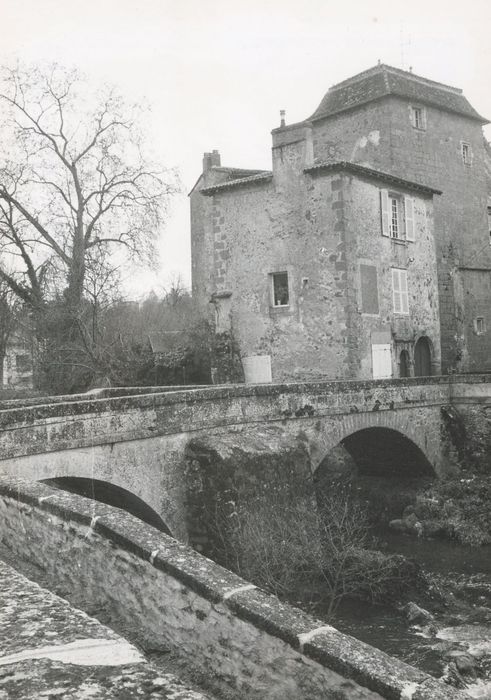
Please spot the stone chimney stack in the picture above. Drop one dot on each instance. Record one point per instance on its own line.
(211, 160)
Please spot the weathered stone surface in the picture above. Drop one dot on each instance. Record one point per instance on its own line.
(242, 638)
(49, 650)
(139, 442)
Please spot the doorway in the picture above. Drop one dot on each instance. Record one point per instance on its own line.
(422, 358)
(404, 364)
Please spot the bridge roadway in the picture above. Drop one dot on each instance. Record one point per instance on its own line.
(140, 443)
(50, 649)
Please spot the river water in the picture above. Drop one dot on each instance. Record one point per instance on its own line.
(384, 628)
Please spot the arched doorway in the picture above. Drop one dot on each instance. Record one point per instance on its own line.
(422, 358)
(404, 364)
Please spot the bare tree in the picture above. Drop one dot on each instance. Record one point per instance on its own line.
(74, 180)
(7, 321)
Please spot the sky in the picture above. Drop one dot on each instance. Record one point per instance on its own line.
(217, 72)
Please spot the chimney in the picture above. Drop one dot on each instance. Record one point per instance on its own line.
(215, 159)
(282, 117)
(211, 160)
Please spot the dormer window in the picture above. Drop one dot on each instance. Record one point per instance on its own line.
(418, 118)
(466, 153)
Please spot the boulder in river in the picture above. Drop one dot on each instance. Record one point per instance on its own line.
(416, 615)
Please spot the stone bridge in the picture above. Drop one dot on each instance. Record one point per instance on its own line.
(152, 449)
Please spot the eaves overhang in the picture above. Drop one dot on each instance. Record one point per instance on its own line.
(240, 182)
(363, 171)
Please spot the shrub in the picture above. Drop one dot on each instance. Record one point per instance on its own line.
(312, 556)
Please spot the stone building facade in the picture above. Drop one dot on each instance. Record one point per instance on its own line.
(366, 248)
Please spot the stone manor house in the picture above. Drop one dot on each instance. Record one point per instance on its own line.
(365, 252)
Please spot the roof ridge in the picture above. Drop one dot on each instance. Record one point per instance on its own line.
(384, 68)
(227, 168)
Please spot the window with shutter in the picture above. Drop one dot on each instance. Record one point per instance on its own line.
(399, 291)
(409, 218)
(397, 216)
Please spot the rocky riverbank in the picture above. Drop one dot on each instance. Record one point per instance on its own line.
(455, 509)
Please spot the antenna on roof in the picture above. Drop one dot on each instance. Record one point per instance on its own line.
(405, 43)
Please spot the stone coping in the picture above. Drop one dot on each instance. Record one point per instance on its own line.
(155, 397)
(50, 649)
(316, 641)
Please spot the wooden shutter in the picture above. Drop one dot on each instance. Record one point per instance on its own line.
(403, 288)
(385, 212)
(396, 290)
(409, 218)
(381, 361)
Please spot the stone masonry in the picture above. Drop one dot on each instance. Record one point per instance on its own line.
(319, 220)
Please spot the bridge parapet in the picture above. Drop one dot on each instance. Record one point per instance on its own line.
(243, 639)
(89, 421)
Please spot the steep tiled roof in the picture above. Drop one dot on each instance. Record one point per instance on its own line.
(263, 176)
(383, 80)
(230, 173)
(362, 170)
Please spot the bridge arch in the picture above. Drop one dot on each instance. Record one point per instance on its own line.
(110, 494)
(423, 443)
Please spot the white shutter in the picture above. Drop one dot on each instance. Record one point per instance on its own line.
(403, 286)
(399, 291)
(409, 217)
(381, 361)
(385, 212)
(396, 290)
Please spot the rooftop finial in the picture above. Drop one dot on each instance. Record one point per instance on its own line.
(379, 62)
(282, 117)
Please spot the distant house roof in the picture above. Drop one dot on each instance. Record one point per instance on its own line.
(381, 81)
(259, 177)
(361, 170)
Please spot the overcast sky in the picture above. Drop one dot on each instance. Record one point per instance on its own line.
(217, 72)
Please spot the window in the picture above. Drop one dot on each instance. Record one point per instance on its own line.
(479, 325)
(279, 290)
(23, 364)
(418, 118)
(369, 290)
(399, 291)
(397, 214)
(395, 227)
(466, 153)
(489, 224)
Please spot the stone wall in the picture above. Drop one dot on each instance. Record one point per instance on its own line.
(49, 649)
(319, 229)
(380, 135)
(242, 640)
(140, 443)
